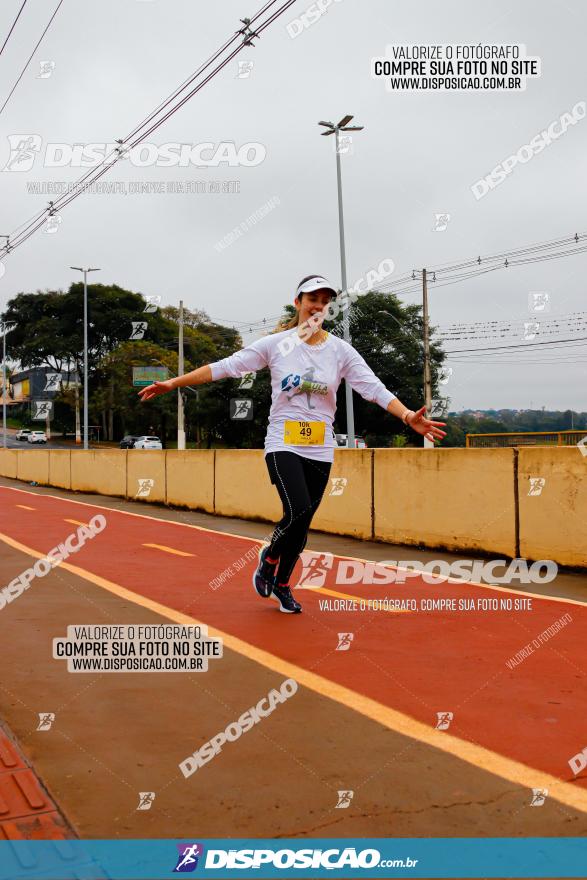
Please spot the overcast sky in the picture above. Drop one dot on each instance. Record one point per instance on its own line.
(419, 155)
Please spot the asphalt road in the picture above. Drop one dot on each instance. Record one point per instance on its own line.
(13, 443)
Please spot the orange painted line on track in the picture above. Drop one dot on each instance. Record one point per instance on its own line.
(171, 550)
(415, 664)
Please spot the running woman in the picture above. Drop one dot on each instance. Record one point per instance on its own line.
(307, 364)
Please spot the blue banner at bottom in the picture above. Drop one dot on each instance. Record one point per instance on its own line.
(337, 857)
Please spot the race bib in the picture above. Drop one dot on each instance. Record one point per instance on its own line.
(304, 433)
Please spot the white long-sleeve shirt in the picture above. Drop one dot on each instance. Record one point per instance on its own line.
(293, 365)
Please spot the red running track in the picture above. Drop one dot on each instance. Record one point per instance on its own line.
(417, 663)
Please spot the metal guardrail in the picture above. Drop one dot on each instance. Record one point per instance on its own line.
(525, 438)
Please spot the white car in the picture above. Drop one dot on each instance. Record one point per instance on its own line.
(37, 437)
(341, 440)
(148, 443)
(23, 434)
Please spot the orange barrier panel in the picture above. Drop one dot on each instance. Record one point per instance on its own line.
(145, 475)
(242, 486)
(8, 459)
(552, 489)
(190, 478)
(99, 470)
(457, 499)
(60, 468)
(33, 465)
(346, 505)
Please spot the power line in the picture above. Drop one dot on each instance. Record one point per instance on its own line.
(526, 345)
(507, 321)
(25, 231)
(440, 335)
(518, 362)
(509, 256)
(439, 338)
(140, 128)
(409, 283)
(473, 268)
(13, 26)
(30, 56)
(541, 330)
(94, 174)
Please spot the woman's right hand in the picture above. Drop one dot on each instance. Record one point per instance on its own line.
(155, 390)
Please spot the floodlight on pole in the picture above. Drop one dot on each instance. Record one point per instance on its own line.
(335, 129)
(85, 274)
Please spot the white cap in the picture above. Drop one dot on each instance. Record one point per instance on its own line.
(316, 282)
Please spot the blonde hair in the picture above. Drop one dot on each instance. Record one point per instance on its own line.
(285, 324)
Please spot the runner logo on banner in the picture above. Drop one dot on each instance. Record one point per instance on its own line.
(42, 410)
(139, 328)
(52, 382)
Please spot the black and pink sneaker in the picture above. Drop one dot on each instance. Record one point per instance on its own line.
(282, 594)
(264, 576)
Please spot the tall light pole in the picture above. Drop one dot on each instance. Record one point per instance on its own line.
(343, 125)
(180, 413)
(85, 274)
(6, 328)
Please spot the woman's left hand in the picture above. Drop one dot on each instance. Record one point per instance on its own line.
(426, 427)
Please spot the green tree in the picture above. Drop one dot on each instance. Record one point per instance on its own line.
(207, 408)
(389, 336)
(49, 328)
(114, 401)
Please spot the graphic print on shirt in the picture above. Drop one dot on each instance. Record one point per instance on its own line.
(337, 361)
(304, 384)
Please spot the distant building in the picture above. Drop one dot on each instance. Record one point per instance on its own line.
(38, 383)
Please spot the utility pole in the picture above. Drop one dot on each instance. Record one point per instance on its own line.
(198, 434)
(180, 370)
(428, 444)
(6, 328)
(48, 418)
(343, 125)
(4, 384)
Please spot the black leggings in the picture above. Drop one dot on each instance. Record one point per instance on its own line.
(301, 483)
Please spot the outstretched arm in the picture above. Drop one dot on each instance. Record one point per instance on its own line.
(416, 420)
(196, 377)
(362, 378)
(253, 357)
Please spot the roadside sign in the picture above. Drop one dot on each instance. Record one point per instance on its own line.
(142, 376)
